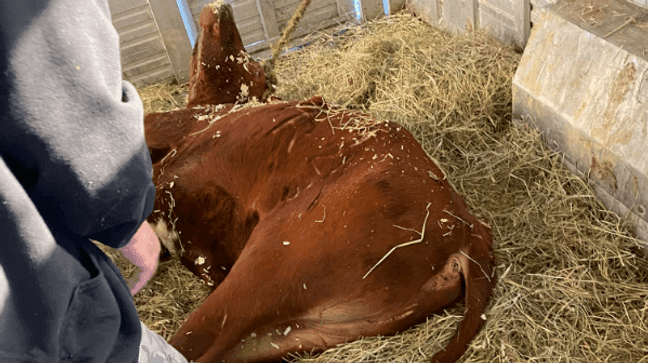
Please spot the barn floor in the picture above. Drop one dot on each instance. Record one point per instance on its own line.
(573, 283)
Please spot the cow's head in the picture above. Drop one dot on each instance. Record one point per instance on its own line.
(221, 70)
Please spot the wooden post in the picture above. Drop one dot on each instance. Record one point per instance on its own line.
(428, 10)
(174, 35)
(270, 25)
(396, 5)
(522, 11)
(372, 9)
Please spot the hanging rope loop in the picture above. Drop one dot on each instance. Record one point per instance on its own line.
(268, 64)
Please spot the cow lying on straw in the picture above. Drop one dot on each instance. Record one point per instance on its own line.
(315, 225)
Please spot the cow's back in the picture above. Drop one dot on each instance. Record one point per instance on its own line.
(295, 207)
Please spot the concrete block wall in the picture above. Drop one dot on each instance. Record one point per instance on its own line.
(642, 3)
(588, 95)
(508, 20)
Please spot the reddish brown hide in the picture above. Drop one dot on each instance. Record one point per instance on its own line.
(286, 207)
(314, 225)
(221, 71)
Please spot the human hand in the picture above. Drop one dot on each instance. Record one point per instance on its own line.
(143, 250)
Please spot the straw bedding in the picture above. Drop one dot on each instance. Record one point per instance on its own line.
(573, 282)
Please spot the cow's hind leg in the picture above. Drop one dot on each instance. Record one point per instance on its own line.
(261, 321)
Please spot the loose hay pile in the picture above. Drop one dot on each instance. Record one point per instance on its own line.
(573, 284)
(163, 97)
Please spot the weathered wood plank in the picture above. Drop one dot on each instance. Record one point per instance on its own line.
(300, 36)
(372, 9)
(428, 10)
(286, 12)
(174, 35)
(144, 56)
(118, 8)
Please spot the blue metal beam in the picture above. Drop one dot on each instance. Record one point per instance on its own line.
(357, 6)
(187, 19)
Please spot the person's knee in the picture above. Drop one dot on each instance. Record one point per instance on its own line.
(154, 349)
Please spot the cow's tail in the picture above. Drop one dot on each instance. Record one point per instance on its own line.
(476, 261)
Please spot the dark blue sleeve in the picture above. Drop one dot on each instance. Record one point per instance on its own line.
(70, 129)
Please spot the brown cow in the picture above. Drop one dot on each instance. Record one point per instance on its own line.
(221, 70)
(315, 225)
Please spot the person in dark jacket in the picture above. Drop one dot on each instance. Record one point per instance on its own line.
(74, 166)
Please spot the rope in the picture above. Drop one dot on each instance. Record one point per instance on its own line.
(268, 64)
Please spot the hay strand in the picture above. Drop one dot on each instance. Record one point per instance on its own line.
(404, 244)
